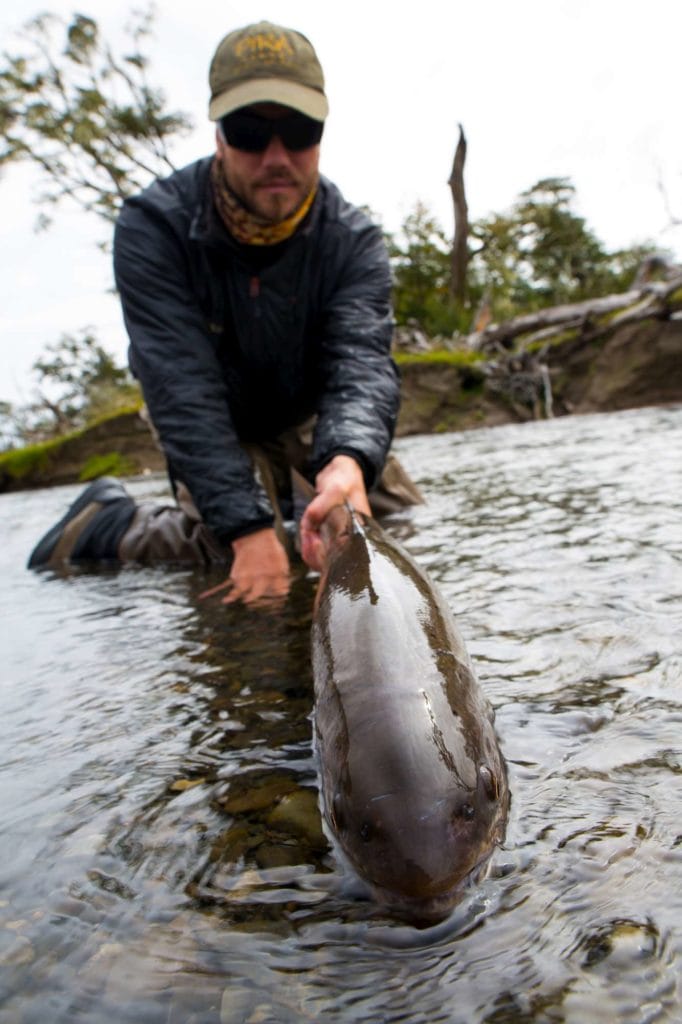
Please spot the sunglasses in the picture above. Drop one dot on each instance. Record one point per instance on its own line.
(253, 134)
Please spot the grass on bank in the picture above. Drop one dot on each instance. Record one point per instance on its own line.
(440, 356)
(18, 463)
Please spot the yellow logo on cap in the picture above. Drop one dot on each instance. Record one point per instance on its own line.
(265, 48)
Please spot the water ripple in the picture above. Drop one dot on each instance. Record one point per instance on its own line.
(162, 854)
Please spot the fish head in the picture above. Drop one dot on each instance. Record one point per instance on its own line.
(417, 837)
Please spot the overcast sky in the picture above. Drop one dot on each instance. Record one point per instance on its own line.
(586, 89)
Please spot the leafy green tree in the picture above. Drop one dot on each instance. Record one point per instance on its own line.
(86, 117)
(77, 381)
(85, 376)
(541, 253)
(420, 260)
(97, 131)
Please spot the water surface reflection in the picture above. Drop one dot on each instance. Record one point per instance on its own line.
(162, 855)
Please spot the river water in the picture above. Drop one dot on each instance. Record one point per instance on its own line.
(161, 857)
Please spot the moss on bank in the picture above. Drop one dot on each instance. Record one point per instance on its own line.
(107, 464)
(115, 445)
(441, 356)
(19, 463)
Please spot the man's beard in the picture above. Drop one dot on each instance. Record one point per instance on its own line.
(272, 206)
(261, 223)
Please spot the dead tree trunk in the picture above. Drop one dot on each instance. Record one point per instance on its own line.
(460, 255)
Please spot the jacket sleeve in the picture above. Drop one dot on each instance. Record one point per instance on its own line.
(173, 356)
(359, 386)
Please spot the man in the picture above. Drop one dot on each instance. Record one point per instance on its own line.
(257, 301)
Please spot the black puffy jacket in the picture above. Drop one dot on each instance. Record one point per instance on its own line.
(234, 342)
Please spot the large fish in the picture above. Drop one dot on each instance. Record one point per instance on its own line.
(413, 782)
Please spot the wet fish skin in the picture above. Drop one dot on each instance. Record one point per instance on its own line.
(414, 784)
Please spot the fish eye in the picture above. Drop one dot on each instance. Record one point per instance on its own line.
(467, 812)
(365, 832)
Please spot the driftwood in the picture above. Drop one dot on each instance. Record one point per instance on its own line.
(525, 382)
(517, 353)
(460, 253)
(591, 318)
(518, 349)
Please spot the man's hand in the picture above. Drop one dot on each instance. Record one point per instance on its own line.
(341, 480)
(260, 571)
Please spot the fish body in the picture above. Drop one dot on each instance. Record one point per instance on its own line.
(414, 785)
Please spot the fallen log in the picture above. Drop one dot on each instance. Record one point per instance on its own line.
(593, 317)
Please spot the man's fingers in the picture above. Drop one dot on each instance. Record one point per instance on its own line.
(256, 593)
(312, 549)
(261, 590)
(320, 506)
(216, 590)
(259, 600)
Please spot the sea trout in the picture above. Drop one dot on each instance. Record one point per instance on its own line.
(414, 785)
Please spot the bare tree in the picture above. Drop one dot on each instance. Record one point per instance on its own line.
(460, 254)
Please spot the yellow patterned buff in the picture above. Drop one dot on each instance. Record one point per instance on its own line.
(247, 227)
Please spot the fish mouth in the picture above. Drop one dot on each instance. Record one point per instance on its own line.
(431, 901)
(421, 912)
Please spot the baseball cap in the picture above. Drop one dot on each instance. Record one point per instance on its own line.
(265, 63)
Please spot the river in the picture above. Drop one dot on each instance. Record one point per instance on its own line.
(161, 853)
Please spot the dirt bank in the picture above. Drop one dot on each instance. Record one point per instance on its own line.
(635, 365)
